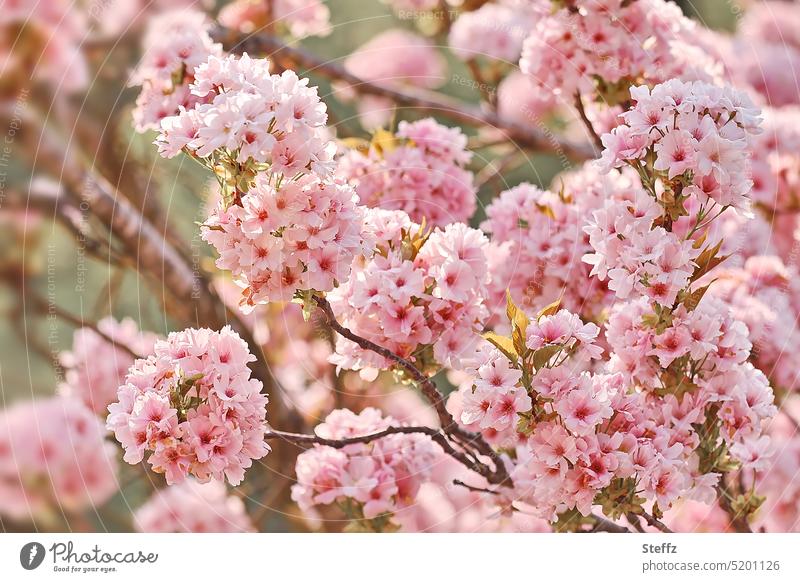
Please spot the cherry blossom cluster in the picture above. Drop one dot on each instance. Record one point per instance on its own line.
(42, 41)
(602, 47)
(419, 170)
(702, 356)
(194, 407)
(583, 438)
(538, 239)
(693, 137)
(294, 350)
(96, 367)
(767, 70)
(300, 18)
(519, 101)
(764, 294)
(287, 236)
(53, 458)
(440, 506)
(775, 165)
(250, 120)
(496, 30)
(377, 62)
(773, 21)
(127, 18)
(777, 482)
(689, 144)
(192, 507)
(763, 55)
(690, 516)
(176, 44)
(494, 397)
(636, 256)
(421, 295)
(370, 481)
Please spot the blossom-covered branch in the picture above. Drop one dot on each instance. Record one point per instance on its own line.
(473, 441)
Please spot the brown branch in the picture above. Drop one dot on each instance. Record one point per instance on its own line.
(656, 523)
(186, 293)
(598, 143)
(474, 489)
(429, 390)
(601, 524)
(455, 110)
(426, 384)
(313, 439)
(48, 201)
(487, 91)
(51, 308)
(635, 522)
(436, 435)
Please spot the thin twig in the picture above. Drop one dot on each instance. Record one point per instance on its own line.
(313, 439)
(656, 523)
(598, 143)
(436, 435)
(52, 309)
(608, 526)
(474, 489)
(429, 390)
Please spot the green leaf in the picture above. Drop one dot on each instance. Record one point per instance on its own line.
(543, 355)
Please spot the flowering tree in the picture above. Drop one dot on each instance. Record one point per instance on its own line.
(400, 325)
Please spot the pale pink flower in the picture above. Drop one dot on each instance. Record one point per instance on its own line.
(582, 410)
(381, 477)
(194, 508)
(53, 457)
(96, 367)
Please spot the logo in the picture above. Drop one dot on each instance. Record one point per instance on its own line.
(31, 555)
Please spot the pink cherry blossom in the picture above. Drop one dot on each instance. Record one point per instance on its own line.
(176, 44)
(375, 61)
(410, 303)
(300, 235)
(53, 457)
(380, 477)
(300, 18)
(422, 174)
(251, 116)
(615, 41)
(192, 507)
(95, 367)
(194, 407)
